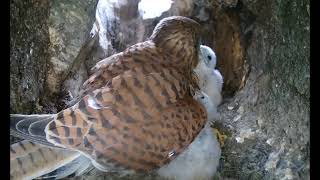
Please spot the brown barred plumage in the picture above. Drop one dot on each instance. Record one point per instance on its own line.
(29, 160)
(136, 110)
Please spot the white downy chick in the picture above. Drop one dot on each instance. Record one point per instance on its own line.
(210, 79)
(201, 159)
(207, 102)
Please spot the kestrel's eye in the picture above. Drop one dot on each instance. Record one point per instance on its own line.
(209, 57)
(202, 97)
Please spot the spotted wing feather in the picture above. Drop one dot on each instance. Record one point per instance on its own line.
(126, 124)
(143, 55)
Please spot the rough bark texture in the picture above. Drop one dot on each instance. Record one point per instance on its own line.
(269, 118)
(262, 47)
(46, 38)
(70, 23)
(29, 53)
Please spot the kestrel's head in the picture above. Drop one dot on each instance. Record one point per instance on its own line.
(179, 37)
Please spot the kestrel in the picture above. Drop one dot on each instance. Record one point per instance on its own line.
(201, 158)
(136, 111)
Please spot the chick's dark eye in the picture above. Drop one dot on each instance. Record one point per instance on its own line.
(209, 57)
(202, 97)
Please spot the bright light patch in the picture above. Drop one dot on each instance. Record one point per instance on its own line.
(153, 8)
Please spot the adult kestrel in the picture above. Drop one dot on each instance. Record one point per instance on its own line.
(136, 111)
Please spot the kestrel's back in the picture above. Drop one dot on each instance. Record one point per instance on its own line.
(137, 110)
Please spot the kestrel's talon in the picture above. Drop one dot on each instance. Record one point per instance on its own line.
(220, 136)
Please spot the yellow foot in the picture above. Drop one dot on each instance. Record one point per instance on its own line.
(221, 137)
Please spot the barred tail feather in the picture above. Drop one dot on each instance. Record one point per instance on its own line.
(30, 127)
(29, 160)
(76, 167)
